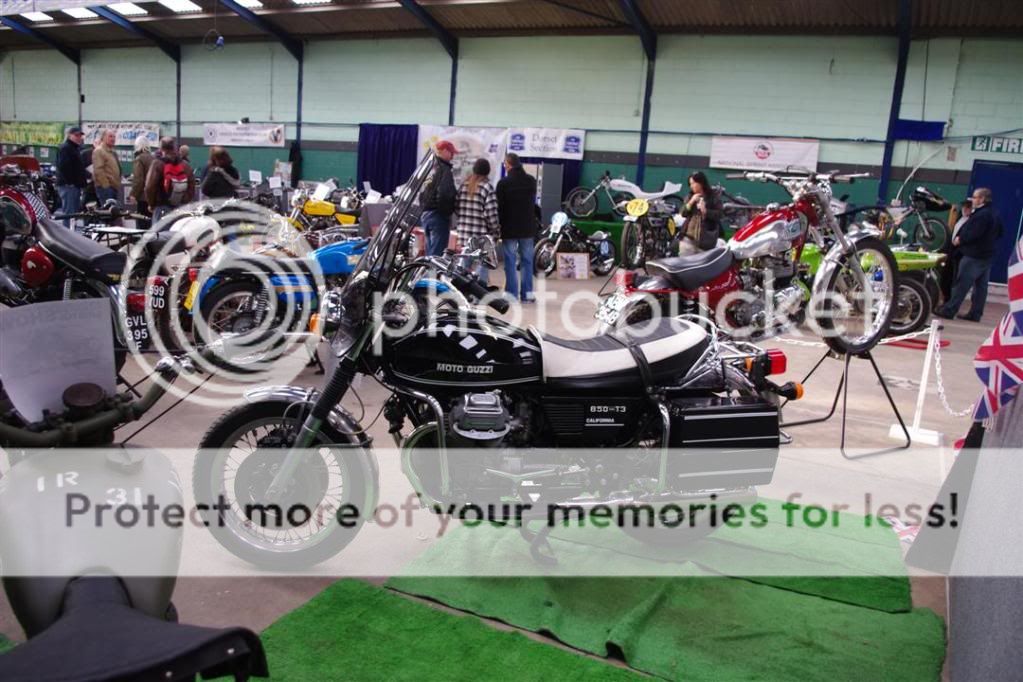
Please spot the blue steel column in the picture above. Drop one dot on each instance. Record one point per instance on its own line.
(905, 21)
(649, 40)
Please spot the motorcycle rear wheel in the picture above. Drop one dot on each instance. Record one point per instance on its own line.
(841, 296)
(581, 202)
(912, 307)
(932, 234)
(544, 258)
(238, 532)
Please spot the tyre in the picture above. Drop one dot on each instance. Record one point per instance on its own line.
(604, 259)
(912, 307)
(618, 202)
(581, 202)
(269, 535)
(931, 233)
(930, 282)
(633, 251)
(544, 258)
(846, 323)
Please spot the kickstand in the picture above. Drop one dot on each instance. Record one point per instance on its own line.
(843, 392)
(539, 548)
(131, 388)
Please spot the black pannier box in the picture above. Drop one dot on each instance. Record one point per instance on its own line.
(722, 442)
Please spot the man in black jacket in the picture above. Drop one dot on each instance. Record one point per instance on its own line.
(976, 240)
(438, 201)
(516, 210)
(71, 175)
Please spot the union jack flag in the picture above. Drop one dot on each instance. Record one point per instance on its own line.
(999, 360)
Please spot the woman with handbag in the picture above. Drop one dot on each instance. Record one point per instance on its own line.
(703, 212)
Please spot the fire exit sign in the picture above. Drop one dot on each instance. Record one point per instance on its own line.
(1005, 145)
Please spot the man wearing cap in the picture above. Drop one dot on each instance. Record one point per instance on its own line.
(438, 200)
(71, 176)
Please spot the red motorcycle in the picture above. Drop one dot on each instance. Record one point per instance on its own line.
(755, 286)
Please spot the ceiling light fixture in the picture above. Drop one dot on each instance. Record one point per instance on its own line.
(79, 13)
(251, 4)
(180, 6)
(37, 16)
(311, 2)
(128, 9)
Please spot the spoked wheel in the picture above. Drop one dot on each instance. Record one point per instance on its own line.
(240, 456)
(544, 258)
(931, 233)
(859, 298)
(912, 307)
(581, 202)
(618, 202)
(230, 309)
(633, 248)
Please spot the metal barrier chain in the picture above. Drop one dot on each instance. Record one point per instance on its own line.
(941, 383)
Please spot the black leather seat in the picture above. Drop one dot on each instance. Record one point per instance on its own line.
(607, 362)
(78, 251)
(691, 272)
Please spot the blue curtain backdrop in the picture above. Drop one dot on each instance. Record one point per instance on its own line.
(387, 155)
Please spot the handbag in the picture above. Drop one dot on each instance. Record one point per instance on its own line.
(703, 233)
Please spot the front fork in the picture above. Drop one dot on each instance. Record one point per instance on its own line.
(332, 394)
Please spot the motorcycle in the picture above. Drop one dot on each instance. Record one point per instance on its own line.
(582, 202)
(755, 278)
(44, 261)
(931, 233)
(231, 294)
(483, 410)
(64, 584)
(313, 212)
(650, 230)
(562, 235)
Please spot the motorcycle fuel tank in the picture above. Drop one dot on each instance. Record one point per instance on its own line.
(770, 232)
(465, 353)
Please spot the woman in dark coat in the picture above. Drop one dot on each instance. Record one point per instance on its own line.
(703, 211)
(220, 179)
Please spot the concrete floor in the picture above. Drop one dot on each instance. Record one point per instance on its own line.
(812, 465)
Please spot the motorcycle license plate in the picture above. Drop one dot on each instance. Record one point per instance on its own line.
(612, 307)
(136, 330)
(630, 218)
(193, 291)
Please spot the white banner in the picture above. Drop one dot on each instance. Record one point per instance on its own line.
(243, 134)
(547, 143)
(126, 132)
(471, 143)
(763, 153)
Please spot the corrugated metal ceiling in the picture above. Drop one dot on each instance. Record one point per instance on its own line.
(517, 17)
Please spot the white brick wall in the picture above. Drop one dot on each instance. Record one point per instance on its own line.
(376, 81)
(128, 84)
(44, 84)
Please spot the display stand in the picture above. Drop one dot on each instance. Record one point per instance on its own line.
(843, 392)
(926, 436)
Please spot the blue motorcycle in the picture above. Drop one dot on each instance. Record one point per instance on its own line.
(239, 292)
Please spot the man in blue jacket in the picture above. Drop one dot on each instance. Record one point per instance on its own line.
(71, 175)
(976, 240)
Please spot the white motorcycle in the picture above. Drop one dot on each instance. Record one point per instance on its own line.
(582, 202)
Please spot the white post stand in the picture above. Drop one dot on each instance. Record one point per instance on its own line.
(918, 434)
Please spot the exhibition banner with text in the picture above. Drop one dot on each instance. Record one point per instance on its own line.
(243, 134)
(471, 143)
(125, 132)
(25, 132)
(763, 153)
(547, 143)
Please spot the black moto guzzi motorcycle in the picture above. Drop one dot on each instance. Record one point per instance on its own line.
(483, 411)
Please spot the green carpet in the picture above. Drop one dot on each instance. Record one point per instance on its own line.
(356, 631)
(678, 618)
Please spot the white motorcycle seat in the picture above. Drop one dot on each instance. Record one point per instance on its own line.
(669, 189)
(670, 346)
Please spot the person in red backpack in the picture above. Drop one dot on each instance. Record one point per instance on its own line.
(170, 182)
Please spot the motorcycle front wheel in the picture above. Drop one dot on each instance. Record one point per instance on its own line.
(632, 246)
(931, 233)
(544, 258)
(912, 307)
(604, 257)
(852, 320)
(238, 458)
(581, 202)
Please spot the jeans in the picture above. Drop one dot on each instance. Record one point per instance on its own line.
(104, 194)
(513, 249)
(70, 200)
(159, 212)
(973, 272)
(438, 232)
